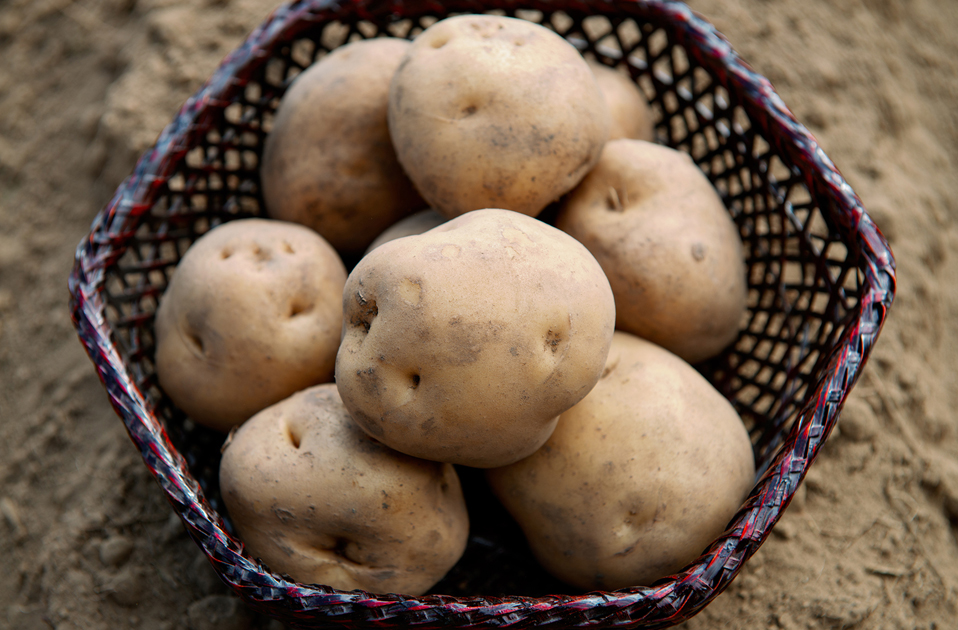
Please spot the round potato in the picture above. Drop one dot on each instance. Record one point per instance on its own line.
(418, 223)
(316, 498)
(495, 112)
(328, 162)
(668, 245)
(628, 110)
(637, 479)
(465, 343)
(252, 314)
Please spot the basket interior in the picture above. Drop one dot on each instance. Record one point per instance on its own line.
(805, 280)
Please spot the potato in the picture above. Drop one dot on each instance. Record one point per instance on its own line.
(316, 498)
(465, 343)
(252, 314)
(637, 479)
(629, 111)
(418, 223)
(495, 112)
(669, 247)
(328, 162)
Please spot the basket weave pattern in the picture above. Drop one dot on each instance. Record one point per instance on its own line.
(821, 279)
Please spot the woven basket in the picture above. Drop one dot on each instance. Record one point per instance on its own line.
(821, 279)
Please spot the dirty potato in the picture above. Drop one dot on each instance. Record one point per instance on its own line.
(251, 315)
(316, 498)
(637, 479)
(328, 162)
(465, 343)
(495, 112)
(668, 245)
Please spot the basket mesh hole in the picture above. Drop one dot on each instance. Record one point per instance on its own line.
(275, 73)
(531, 15)
(628, 34)
(400, 29)
(560, 22)
(656, 44)
(596, 27)
(303, 52)
(334, 35)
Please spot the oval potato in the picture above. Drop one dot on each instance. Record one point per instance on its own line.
(251, 315)
(637, 479)
(316, 498)
(671, 251)
(495, 112)
(464, 344)
(328, 162)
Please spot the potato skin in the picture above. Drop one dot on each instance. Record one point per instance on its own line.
(629, 112)
(316, 498)
(251, 315)
(465, 343)
(328, 162)
(494, 112)
(637, 479)
(417, 223)
(673, 255)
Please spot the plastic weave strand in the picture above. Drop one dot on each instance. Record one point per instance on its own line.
(821, 279)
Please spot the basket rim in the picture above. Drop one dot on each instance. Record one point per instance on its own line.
(672, 599)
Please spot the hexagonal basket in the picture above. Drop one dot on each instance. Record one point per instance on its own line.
(821, 279)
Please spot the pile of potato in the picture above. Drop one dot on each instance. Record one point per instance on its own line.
(470, 332)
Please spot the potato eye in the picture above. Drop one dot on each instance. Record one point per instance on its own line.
(298, 308)
(366, 314)
(293, 436)
(196, 341)
(553, 339)
(614, 201)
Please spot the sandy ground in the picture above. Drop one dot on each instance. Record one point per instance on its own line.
(88, 541)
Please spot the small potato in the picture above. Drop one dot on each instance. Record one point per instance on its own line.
(410, 226)
(668, 245)
(328, 162)
(495, 112)
(316, 498)
(252, 314)
(637, 479)
(465, 343)
(628, 109)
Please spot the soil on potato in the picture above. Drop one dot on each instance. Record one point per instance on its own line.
(87, 539)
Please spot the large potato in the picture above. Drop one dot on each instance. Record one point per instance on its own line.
(252, 314)
(637, 479)
(495, 112)
(316, 498)
(668, 245)
(465, 343)
(328, 162)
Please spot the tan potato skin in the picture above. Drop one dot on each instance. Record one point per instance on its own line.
(629, 112)
(495, 112)
(465, 343)
(669, 247)
(251, 315)
(637, 479)
(328, 162)
(316, 498)
(412, 225)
